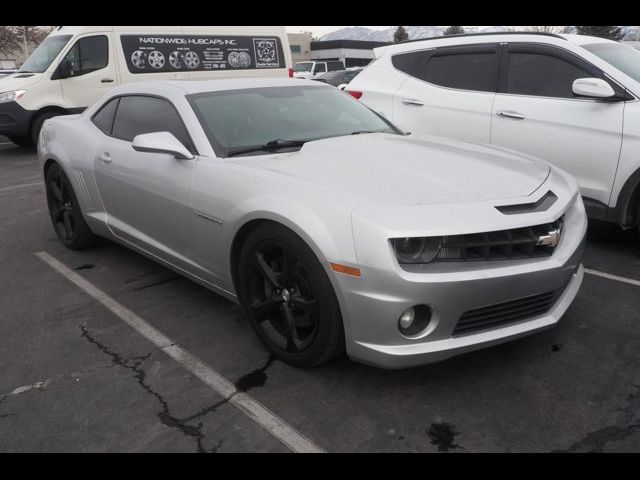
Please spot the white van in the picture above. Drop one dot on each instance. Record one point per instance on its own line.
(74, 66)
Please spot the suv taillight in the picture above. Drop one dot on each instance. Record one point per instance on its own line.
(355, 94)
(291, 73)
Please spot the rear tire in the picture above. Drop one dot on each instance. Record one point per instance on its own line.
(65, 212)
(288, 298)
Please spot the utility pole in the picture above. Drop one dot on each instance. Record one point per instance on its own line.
(26, 45)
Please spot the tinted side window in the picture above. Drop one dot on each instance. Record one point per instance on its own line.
(88, 55)
(410, 63)
(138, 115)
(320, 67)
(465, 71)
(104, 118)
(542, 75)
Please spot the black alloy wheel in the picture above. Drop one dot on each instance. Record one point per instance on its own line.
(288, 298)
(65, 212)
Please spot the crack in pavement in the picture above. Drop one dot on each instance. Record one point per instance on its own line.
(595, 441)
(134, 364)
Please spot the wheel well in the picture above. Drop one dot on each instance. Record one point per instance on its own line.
(59, 110)
(238, 242)
(629, 202)
(47, 165)
(632, 215)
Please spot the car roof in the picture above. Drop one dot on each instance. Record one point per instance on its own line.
(188, 87)
(474, 38)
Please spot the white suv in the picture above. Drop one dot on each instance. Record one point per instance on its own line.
(569, 99)
(312, 69)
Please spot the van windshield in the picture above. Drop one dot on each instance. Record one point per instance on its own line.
(46, 53)
(303, 67)
(623, 57)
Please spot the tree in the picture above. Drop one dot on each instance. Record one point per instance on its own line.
(545, 29)
(610, 32)
(12, 38)
(400, 35)
(453, 30)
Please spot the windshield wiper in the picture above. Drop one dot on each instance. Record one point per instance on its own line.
(273, 145)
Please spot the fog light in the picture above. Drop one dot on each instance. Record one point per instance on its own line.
(414, 320)
(407, 318)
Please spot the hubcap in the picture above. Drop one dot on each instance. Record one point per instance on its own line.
(281, 297)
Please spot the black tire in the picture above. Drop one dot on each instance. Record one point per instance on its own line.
(65, 212)
(293, 310)
(36, 126)
(21, 141)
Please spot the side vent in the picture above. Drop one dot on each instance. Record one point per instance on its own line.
(82, 192)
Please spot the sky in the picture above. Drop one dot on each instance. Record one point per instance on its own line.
(318, 31)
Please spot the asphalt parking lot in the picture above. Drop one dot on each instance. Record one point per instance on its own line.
(76, 377)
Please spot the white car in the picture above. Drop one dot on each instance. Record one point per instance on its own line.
(313, 69)
(332, 227)
(571, 100)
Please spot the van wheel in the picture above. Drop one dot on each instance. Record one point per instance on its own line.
(37, 125)
(21, 141)
(65, 212)
(288, 298)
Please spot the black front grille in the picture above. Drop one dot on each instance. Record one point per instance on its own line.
(507, 312)
(513, 244)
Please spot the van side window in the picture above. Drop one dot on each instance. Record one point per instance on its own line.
(542, 75)
(105, 116)
(88, 55)
(465, 71)
(137, 115)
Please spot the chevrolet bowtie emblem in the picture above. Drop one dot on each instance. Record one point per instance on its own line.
(551, 239)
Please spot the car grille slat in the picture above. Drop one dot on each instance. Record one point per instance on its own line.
(507, 312)
(513, 244)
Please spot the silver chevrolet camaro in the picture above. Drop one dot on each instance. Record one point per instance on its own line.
(334, 229)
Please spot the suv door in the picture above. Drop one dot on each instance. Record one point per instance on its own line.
(93, 71)
(319, 69)
(536, 112)
(147, 196)
(449, 91)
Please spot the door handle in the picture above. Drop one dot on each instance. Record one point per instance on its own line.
(510, 114)
(107, 80)
(105, 157)
(412, 101)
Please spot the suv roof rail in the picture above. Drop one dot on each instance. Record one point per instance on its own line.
(547, 34)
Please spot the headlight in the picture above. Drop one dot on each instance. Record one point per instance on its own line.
(416, 249)
(12, 96)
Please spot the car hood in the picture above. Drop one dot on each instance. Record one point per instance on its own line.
(409, 170)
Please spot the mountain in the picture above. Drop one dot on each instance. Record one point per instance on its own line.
(364, 33)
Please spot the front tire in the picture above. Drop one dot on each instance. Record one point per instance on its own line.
(36, 126)
(65, 212)
(288, 298)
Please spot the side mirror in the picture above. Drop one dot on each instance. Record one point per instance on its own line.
(593, 88)
(161, 142)
(64, 70)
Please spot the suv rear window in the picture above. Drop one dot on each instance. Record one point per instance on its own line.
(464, 71)
(464, 68)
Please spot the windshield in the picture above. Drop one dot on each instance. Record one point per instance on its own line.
(46, 53)
(623, 57)
(303, 67)
(238, 119)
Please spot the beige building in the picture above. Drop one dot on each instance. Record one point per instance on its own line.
(300, 44)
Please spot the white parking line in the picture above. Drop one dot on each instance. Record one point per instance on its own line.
(16, 187)
(610, 276)
(245, 403)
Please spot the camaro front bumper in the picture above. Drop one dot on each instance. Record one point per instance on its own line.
(373, 303)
